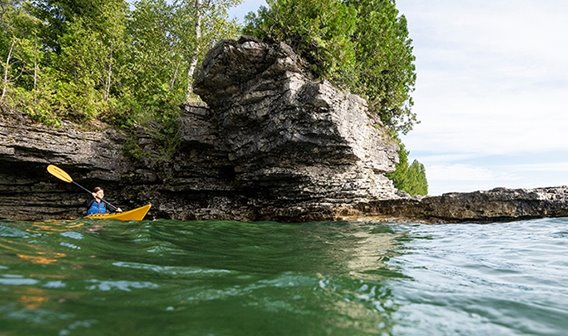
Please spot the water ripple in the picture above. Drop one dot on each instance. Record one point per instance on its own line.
(506, 279)
(121, 285)
(266, 278)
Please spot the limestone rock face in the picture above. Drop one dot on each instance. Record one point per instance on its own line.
(290, 138)
(27, 191)
(270, 143)
(480, 206)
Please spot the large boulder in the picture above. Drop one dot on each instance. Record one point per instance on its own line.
(291, 138)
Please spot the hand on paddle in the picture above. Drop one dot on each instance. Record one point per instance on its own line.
(99, 195)
(63, 176)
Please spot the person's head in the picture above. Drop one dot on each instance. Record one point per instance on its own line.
(99, 192)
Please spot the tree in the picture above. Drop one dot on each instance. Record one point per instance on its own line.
(165, 52)
(168, 40)
(58, 14)
(410, 179)
(385, 62)
(362, 45)
(83, 41)
(18, 29)
(22, 56)
(418, 184)
(319, 30)
(84, 59)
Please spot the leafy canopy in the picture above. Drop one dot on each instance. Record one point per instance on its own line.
(409, 178)
(128, 63)
(361, 45)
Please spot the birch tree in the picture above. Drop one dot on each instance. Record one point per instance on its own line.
(209, 23)
(19, 51)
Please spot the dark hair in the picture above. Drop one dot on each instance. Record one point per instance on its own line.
(97, 189)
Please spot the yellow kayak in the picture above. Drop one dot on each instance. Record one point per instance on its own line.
(134, 214)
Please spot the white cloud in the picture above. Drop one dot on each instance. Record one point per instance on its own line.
(469, 177)
(465, 172)
(466, 177)
(555, 167)
(497, 125)
(492, 80)
(463, 177)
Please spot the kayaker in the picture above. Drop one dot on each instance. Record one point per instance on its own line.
(97, 205)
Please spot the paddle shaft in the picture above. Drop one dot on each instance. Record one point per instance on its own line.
(63, 176)
(90, 192)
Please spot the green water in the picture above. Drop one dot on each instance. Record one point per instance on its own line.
(327, 278)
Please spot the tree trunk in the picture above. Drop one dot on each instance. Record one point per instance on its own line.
(174, 77)
(195, 54)
(109, 77)
(35, 70)
(6, 70)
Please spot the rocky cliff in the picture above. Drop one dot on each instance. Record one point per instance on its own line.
(292, 141)
(26, 192)
(270, 142)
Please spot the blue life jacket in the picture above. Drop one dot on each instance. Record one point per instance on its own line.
(96, 207)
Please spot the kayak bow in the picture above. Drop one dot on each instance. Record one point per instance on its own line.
(134, 214)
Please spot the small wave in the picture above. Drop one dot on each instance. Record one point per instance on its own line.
(16, 280)
(172, 270)
(121, 285)
(10, 232)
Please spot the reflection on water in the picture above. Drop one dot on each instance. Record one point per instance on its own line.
(33, 298)
(472, 279)
(200, 277)
(40, 258)
(231, 278)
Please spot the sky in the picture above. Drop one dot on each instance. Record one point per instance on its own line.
(491, 92)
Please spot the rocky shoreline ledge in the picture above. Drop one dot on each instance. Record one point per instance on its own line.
(499, 204)
(269, 143)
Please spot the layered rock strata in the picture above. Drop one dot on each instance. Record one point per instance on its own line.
(27, 191)
(293, 141)
(499, 204)
(270, 142)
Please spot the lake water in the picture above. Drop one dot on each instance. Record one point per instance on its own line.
(327, 278)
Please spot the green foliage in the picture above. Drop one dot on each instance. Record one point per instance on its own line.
(320, 30)
(131, 64)
(387, 74)
(89, 47)
(410, 179)
(23, 84)
(362, 45)
(159, 62)
(417, 176)
(127, 63)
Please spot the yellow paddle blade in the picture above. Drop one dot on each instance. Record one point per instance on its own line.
(59, 173)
